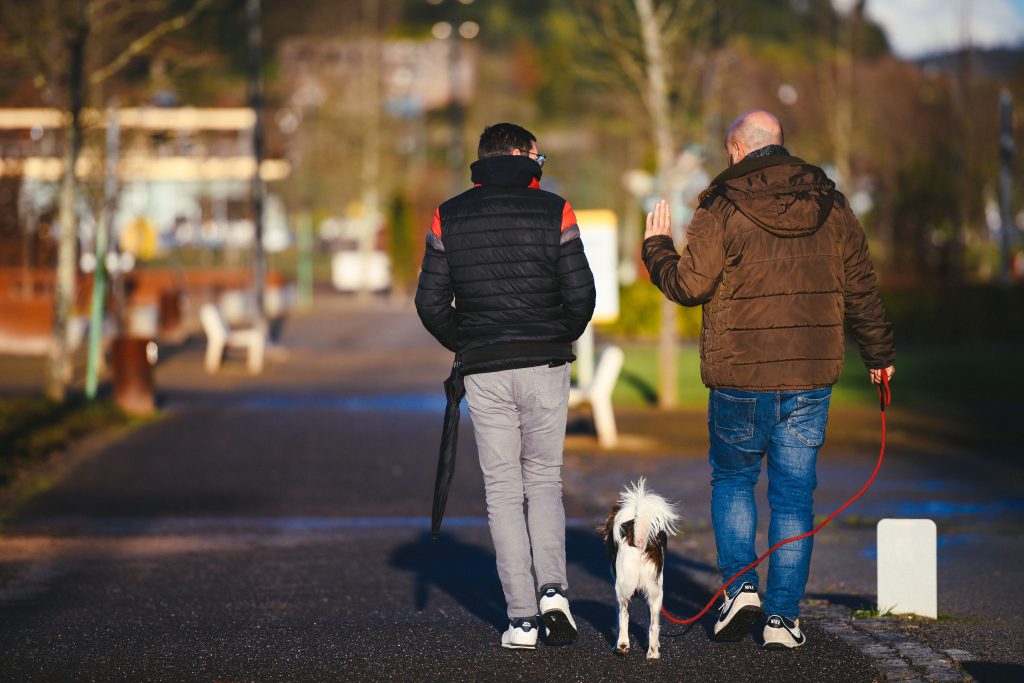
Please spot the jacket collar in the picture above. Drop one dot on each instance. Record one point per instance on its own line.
(506, 171)
(746, 166)
(749, 164)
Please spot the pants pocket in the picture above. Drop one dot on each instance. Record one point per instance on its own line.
(551, 385)
(807, 423)
(734, 417)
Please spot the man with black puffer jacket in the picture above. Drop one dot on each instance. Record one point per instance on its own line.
(510, 257)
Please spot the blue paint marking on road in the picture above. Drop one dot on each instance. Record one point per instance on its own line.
(388, 403)
(938, 508)
(186, 525)
(942, 509)
(933, 485)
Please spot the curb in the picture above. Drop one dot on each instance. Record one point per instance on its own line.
(892, 652)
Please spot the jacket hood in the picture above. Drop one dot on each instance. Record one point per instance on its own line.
(506, 171)
(781, 194)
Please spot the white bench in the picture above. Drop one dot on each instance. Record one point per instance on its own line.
(599, 395)
(220, 337)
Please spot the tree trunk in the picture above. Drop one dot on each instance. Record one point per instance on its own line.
(257, 189)
(842, 127)
(67, 242)
(370, 194)
(656, 100)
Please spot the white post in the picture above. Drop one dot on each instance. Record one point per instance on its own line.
(908, 567)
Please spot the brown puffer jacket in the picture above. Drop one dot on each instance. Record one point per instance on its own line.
(777, 259)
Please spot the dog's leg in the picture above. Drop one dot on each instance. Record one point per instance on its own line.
(622, 647)
(654, 598)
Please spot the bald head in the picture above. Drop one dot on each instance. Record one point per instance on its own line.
(752, 131)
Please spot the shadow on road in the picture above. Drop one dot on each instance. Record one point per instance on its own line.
(464, 571)
(994, 672)
(849, 600)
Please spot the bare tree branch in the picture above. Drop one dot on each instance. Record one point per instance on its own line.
(606, 37)
(114, 17)
(32, 51)
(143, 42)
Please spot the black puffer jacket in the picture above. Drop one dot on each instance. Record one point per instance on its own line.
(510, 256)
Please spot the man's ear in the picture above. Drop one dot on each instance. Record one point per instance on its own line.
(516, 152)
(737, 151)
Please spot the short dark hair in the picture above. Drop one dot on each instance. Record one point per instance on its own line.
(501, 138)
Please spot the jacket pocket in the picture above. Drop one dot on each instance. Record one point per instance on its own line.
(807, 422)
(734, 417)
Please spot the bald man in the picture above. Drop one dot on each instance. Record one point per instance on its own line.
(777, 261)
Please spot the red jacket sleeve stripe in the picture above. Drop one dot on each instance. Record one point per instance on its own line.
(435, 225)
(568, 217)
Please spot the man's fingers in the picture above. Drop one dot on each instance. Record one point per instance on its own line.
(876, 375)
(659, 220)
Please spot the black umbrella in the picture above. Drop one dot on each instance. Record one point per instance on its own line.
(454, 390)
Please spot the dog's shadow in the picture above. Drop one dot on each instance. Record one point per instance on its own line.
(683, 596)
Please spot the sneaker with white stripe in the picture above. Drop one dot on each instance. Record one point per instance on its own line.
(782, 634)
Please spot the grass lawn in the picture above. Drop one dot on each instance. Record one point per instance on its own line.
(31, 428)
(983, 375)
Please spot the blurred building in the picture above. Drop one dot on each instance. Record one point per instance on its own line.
(414, 76)
(183, 171)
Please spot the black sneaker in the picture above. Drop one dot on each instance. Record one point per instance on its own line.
(738, 613)
(782, 634)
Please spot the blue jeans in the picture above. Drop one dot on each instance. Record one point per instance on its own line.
(788, 427)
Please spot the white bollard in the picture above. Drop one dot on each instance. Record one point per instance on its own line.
(908, 567)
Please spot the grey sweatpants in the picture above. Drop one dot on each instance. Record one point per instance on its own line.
(519, 421)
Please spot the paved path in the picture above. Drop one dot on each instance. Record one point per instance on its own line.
(274, 528)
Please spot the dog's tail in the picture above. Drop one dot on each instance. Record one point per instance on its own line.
(651, 513)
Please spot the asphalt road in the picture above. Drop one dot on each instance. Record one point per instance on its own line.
(275, 528)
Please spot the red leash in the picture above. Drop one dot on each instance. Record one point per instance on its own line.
(884, 399)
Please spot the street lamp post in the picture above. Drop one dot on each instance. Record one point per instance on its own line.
(1006, 151)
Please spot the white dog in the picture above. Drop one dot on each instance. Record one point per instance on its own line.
(636, 534)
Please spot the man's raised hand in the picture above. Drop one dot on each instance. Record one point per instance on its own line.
(659, 221)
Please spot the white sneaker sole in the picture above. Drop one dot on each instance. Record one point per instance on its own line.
(740, 624)
(787, 644)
